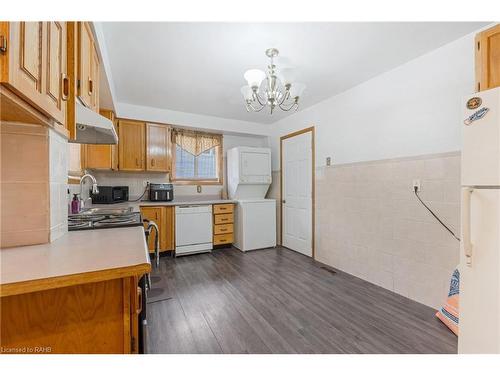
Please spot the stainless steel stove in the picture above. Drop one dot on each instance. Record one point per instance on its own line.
(96, 218)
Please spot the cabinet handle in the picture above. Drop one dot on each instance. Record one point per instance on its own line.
(64, 86)
(223, 229)
(466, 239)
(3, 43)
(223, 219)
(136, 162)
(91, 86)
(139, 297)
(152, 162)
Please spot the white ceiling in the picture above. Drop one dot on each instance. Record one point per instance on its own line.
(198, 67)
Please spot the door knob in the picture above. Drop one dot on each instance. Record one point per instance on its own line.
(283, 201)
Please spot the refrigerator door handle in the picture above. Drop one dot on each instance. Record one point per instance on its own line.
(466, 202)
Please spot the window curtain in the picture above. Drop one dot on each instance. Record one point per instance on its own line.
(194, 142)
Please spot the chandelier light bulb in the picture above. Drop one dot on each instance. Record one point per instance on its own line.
(254, 77)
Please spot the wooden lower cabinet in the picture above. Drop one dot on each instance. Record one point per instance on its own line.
(223, 224)
(95, 317)
(164, 217)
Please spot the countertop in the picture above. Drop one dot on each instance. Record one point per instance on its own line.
(180, 201)
(76, 258)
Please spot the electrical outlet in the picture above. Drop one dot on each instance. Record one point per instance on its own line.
(416, 184)
(328, 161)
(198, 188)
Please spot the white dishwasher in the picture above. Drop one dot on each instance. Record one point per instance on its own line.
(193, 229)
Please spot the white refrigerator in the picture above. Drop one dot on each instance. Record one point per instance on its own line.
(479, 320)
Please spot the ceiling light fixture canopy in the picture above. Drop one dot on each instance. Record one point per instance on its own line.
(279, 90)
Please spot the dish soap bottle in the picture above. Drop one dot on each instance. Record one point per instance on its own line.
(75, 204)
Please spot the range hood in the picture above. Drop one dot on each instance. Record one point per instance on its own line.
(93, 128)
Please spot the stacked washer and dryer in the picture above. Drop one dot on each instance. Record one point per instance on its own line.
(248, 179)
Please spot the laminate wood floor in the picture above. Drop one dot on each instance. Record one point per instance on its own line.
(279, 301)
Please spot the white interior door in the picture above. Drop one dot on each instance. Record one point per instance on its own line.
(297, 193)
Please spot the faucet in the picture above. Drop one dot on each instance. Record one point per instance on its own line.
(95, 190)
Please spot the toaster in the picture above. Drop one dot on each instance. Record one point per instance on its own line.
(161, 192)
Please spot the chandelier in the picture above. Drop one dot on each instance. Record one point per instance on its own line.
(279, 89)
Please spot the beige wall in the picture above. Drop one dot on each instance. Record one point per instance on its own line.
(33, 184)
(370, 224)
(24, 194)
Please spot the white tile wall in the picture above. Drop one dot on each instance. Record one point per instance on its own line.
(58, 177)
(370, 224)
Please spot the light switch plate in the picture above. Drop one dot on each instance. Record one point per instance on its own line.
(328, 161)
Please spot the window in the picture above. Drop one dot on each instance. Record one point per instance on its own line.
(197, 157)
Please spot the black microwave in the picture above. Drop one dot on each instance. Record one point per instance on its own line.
(110, 194)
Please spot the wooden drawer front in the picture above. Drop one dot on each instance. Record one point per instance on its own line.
(221, 239)
(223, 219)
(223, 208)
(223, 228)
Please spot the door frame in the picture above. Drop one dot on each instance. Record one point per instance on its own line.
(313, 187)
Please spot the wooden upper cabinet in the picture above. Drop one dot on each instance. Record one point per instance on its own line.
(103, 157)
(488, 59)
(57, 89)
(33, 64)
(85, 62)
(94, 79)
(157, 148)
(131, 149)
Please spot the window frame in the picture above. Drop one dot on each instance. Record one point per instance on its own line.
(200, 181)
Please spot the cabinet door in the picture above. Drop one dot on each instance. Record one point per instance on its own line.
(34, 65)
(26, 58)
(168, 236)
(488, 59)
(157, 148)
(101, 156)
(131, 145)
(98, 157)
(94, 78)
(23, 60)
(56, 84)
(153, 214)
(85, 46)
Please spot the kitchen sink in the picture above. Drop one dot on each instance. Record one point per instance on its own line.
(105, 211)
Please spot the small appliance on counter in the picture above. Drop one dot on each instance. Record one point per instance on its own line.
(110, 194)
(161, 192)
